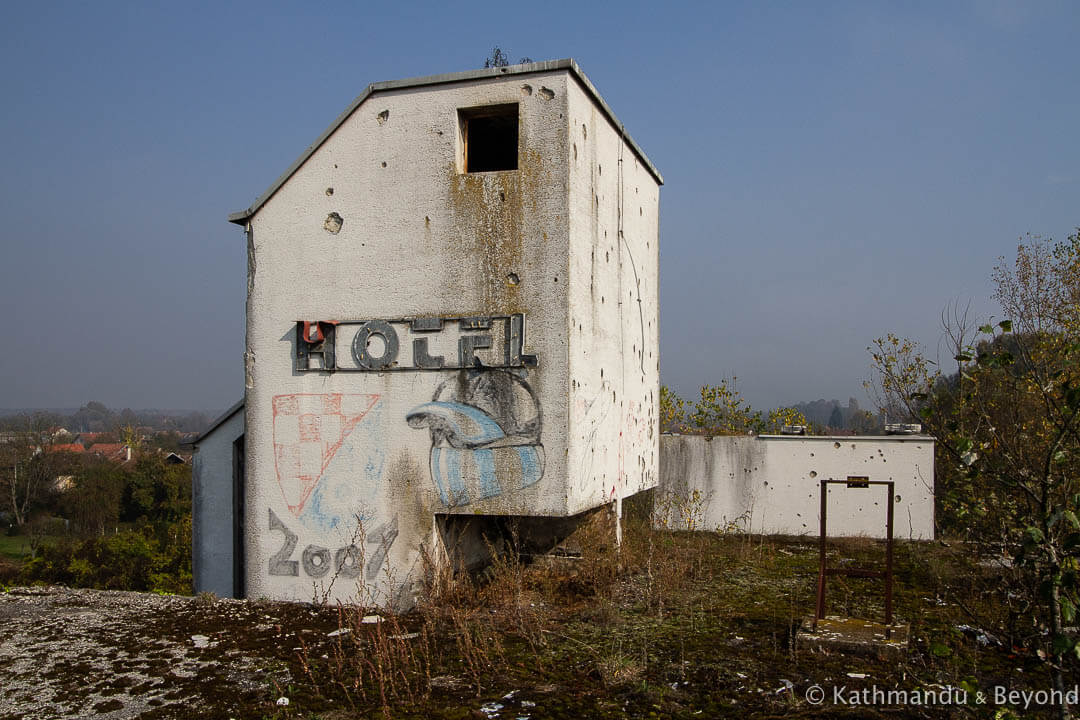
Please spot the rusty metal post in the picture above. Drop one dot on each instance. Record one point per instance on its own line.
(856, 481)
(820, 613)
(889, 559)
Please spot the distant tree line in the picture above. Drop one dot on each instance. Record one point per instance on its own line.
(831, 416)
(96, 417)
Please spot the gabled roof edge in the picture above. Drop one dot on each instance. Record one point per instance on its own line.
(241, 217)
(220, 421)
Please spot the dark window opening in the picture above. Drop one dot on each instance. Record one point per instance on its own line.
(490, 138)
(238, 517)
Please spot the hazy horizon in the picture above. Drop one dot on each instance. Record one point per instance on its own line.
(833, 171)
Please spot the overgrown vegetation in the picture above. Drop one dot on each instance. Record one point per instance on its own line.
(108, 525)
(676, 624)
(1007, 420)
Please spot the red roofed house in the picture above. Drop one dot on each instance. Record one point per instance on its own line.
(66, 447)
(118, 452)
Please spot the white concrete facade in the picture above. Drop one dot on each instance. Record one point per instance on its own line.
(494, 334)
(770, 484)
(614, 312)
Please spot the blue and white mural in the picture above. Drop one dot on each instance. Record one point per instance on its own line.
(485, 430)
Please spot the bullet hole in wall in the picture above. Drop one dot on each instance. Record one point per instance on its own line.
(383, 117)
(329, 192)
(333, 223)
(512, 279)
(384, 163)
(526, 89)
(546, 93)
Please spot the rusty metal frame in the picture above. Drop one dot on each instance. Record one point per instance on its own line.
(856, 481)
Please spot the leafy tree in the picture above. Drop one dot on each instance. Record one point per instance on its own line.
(28, 468)
(93, 502)
(836, 418)
(93, 417)
(721, 410)
(1008, 429)
(672, 410)
(156, 491)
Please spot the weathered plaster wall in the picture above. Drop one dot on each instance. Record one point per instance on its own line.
(613, 324)
(771, 484)
(346, 470)
(212, 521)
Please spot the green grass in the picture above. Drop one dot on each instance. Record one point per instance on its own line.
(17, 547)
(14, 547)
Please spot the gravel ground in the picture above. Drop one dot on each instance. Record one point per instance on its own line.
(70, 653)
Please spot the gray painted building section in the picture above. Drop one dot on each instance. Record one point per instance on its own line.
(216, 478)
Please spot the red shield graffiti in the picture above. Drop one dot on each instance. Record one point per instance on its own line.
(308, 430)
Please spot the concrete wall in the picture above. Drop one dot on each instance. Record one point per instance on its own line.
(347, 469)
(770, 484)
(213, 524)
(614, 311)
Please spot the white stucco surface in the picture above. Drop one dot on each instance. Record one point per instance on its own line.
(347, 469)
(212, 517)
(771, 484)
(613, 313)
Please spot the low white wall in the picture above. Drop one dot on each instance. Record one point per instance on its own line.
(770, 484)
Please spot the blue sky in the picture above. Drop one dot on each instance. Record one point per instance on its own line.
(834, 170)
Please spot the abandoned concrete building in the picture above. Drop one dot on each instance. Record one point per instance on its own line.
(451, 311)
(452, 319)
